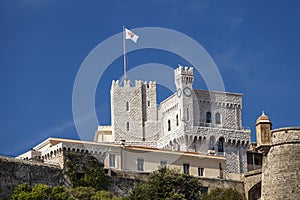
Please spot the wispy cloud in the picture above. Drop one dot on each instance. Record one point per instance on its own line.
(56, 130)
(234, 22)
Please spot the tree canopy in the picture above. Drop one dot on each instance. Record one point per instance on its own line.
(168, 184)
(223, 194)
(44, 192)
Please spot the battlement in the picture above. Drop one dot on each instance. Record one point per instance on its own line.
(183, 70)
(138, 83)
(286, 135)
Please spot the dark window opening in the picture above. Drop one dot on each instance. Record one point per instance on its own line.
(218, 118)
(221, 145)
(112, 160)
(127, 106)
(140, 164)
(200, 171)
(186, 168)
(208, 117)
(169, 125)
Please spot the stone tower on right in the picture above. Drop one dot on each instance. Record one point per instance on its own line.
(281, 160)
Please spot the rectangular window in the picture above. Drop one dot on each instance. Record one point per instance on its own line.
(112, 160)
(127, 106)
(186, 168)
(149, 103)
(200, 171)
(140, 164)
(127, 126)
(187, 114)
(163, 163)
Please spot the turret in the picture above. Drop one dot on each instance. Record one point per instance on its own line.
(184, 77)
(263, 133)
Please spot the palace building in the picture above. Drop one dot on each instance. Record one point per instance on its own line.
(191, 120)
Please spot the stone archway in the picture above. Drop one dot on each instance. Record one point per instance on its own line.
(252, 184)
(255, 192)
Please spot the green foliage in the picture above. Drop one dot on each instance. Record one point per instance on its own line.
(40, 191)
(83, 193)
(60, 193)
(91, 175)
(103, 195)
(223, 194)
(168, 184)
(44, 192)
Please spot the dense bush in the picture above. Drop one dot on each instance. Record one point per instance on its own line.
(223, 194)
(168, 184)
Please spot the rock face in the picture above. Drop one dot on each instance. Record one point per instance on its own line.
(14, 172)
(281, 165)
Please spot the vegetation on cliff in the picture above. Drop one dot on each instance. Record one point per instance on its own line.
(172, 185)
(86, 180)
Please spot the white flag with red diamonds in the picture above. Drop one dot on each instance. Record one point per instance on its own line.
(130, 35)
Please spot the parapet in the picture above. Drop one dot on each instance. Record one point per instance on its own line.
(137, 83)
(288, 135)
(183, 70)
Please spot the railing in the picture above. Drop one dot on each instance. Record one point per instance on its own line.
(214, 125)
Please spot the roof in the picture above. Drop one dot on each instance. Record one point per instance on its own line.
(54, 141)
(263, 118)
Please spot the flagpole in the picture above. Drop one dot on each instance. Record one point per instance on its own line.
(124, 53)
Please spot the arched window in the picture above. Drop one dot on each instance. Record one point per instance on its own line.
(127, 125)
(208, 117)
(169, 125)
(127, 106)
(218, 118)
(221, 145)
(177, 120)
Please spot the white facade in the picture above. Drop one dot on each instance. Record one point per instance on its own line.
(189, 120)
(132, 158)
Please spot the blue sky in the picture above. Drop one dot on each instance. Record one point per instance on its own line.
(255, 45)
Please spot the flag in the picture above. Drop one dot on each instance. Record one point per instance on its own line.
(130, 35)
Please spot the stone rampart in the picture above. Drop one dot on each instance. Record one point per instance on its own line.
(280, 179)
(16, 171)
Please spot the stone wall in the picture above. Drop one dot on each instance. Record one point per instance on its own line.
(14, 172)
(123, 183)
(280, 178)
(252, 184)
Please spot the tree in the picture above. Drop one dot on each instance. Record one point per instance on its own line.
(40, 191)
(83, 193)
(223, 194)
(168, 184)
(85, 171)
(44, 192)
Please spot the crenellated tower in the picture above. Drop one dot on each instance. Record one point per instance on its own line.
(184, 78)
(134, 112)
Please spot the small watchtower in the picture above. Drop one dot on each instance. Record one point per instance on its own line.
(263, 133)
